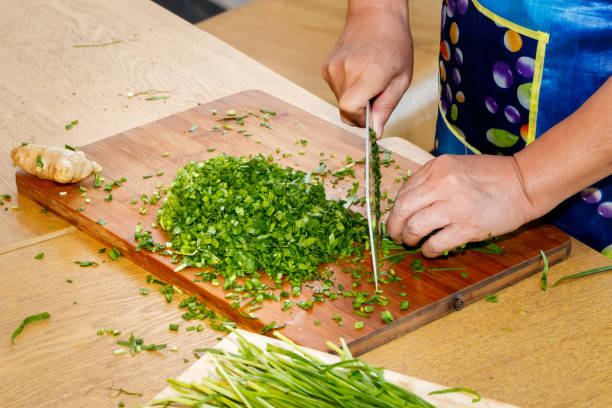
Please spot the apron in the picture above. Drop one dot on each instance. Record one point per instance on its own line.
(509, 71)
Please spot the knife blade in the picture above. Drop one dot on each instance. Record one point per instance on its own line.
(370, 187)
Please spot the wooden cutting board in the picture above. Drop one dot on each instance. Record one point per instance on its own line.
(140, 151)
(204, 367)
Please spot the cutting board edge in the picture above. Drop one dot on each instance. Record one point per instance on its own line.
(459, 300)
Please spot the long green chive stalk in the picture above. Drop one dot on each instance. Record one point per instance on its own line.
(585, 273)
(287, 378)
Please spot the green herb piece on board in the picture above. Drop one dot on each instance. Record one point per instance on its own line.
(39, 162)
(491, 298)
(40, 255)
(28, 320)
(386, 316)
(358, 325)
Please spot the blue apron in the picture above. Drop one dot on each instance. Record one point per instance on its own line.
(511, 70)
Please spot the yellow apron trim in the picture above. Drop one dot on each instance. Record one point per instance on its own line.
(542, 38)
(454, 132)
(535, 88)
(538, 35)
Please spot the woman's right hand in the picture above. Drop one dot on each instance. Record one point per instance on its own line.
(372, 58)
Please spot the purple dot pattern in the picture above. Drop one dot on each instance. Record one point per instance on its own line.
(488, 82)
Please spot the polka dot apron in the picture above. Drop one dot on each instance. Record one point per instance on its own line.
(509, 71)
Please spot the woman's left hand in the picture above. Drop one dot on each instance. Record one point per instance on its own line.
(466, 198)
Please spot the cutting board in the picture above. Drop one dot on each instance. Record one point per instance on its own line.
(204, 367)
(141, 151)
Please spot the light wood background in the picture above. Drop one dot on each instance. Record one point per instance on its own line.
(61, 362)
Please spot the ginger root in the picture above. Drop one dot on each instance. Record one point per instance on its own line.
(54, 163)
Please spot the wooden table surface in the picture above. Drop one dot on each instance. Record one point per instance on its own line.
(533, 348)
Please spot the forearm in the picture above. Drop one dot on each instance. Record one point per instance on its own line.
(398, 6)
(569, 157)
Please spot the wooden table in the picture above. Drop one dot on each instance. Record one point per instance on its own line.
(532, 348)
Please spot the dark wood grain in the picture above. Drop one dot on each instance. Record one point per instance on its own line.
(140, 151)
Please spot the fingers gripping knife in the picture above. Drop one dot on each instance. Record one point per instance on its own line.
(372, 186)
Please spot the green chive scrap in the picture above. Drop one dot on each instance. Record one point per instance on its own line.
(28, 320)
(39, 162)
(101, 222)
(84, 264)
(585, 273)
(173, 327)
(71, 125)
(143, 291)
(193, 128)
(544, 277)
(40, 255)
(358, 325)
(404, 305)
(491, 298)
(386, 316)
(114, 254)
(458, 389)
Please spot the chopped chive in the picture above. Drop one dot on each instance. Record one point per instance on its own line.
(358, 325)
(101, 222)
(491, 298)
(159, 173)
(231, 112)
(544, 278)
(404, 305)
(134, 201)
(70, 147)
(114, 254)
(71, 124)
(108, 197)
(165, 154)
(269, 112)
(386, 316)
(101, 250)
(154, 98)
(173, 327)
(24, 143)
(28, 320)
(144, 291)
(146, 176)
(39, 256)
(464, 275)
(69, 280)
(39, 162)
(193, 128)
(84, 264)
(97, 180)
(210, 149)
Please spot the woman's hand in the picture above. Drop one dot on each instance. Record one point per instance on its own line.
(372, 58)
(466, 198)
